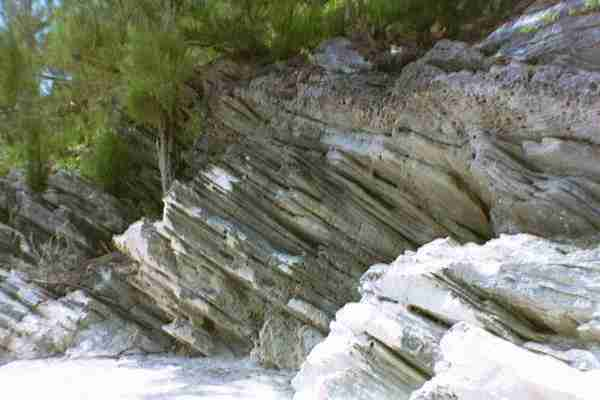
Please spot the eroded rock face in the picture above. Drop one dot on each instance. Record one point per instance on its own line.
(565, 32)
(477, 365)
(70, 208)
(337, 166)
(35, 324)
(538, 297)
(47, 241)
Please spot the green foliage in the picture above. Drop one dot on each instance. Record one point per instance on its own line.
(24, 127)
(13, 68)
(592, 4)
(9, 158)
(265, 29)
(36, 155)
(111, 61)
(109, 163)
(419, 16)
(154, 72)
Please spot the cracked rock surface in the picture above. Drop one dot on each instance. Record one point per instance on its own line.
(35, 324)
(337, 166)
(478, 318)
(54, 298)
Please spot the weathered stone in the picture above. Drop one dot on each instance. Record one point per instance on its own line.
(285, 342)
(70, 208)
(223, 275)
(477, 365)
(537, 294)
(454, 57)
(337, 165)
(33, 324)
(565, 32)
(197, 338)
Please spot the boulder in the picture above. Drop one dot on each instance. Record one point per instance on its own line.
(539, 298)
(478, 365)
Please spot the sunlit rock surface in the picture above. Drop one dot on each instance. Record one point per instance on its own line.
(36, 324)
(539, 298)
(143, 378)
(337, 165)
(333, 166)
(477, 365)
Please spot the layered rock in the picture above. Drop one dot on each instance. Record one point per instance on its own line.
(46, 244)
(564, 33)
(337, 165)
(35, 324)
(70, 208)
(531, 293)
(477, 365)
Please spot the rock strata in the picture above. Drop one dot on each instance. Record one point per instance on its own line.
(477, 365)
(539, 298)
(35, 324)
(55, 299)
(336, 165)
(70, 208)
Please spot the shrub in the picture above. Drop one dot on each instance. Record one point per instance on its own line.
(109, 162)
(266, 29)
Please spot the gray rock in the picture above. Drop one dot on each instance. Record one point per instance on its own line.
(70, 208)
(34, 324)
(531, 293)
(565, 33)
(332, 172)
(337, 55)
(477, 365)
(454, 57)
(285, 342)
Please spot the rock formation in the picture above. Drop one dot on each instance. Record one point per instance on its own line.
(33, 324)
(338, 165)
(70, 208)
(477, 365)
(529, 292)
(46, 241)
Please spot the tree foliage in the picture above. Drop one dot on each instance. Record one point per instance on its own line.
(66, 63)
(21, 71)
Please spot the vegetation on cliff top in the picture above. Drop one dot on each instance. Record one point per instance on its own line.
(73, 74)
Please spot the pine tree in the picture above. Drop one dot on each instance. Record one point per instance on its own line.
(73, 71)
(128, 57)
(21, 76)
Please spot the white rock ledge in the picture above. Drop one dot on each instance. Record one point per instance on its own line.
(477, 365)
(516, 318)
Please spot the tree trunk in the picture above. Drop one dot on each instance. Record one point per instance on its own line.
(164, 151)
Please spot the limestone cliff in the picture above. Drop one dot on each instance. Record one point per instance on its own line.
(337, 164)
(465, 159)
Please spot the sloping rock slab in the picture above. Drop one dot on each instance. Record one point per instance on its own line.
(477, 365)
(34, 324)
(533, 293)
(70, 208)
(566, 32)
